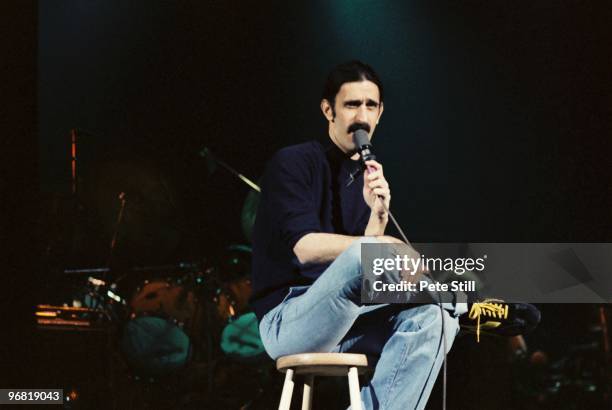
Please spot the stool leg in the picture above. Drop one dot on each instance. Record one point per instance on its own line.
(285, 401)
(353, 378)
(308, 389)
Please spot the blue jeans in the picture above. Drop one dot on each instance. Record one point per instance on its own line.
(403, 341)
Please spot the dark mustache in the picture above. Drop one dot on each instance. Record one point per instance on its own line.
(359, 126)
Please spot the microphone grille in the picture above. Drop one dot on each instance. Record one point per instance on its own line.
(360, 138)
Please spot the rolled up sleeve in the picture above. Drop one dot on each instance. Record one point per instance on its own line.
(288, 191)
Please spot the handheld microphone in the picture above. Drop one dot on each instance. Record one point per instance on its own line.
(364, 147)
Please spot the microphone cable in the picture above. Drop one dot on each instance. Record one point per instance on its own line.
(363, 144)
(443, 336)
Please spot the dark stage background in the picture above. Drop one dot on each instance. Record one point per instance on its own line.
(496, 126)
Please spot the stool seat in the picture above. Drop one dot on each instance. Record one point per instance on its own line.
(323, 364)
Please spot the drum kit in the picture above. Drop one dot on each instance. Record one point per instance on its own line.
(168, 325)
(170, 321)
(156, 338)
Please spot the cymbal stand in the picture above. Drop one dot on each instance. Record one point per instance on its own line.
(207, 154)
(113, 243)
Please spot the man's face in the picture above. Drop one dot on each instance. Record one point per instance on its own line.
(356, 103)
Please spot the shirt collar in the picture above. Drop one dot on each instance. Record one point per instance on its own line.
(342, 162)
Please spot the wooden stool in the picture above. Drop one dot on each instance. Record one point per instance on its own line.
(321, 364)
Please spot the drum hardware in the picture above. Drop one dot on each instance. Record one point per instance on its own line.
(108, 291)
(104, 297)
(113, 243)
(212, 161)
(179, 269)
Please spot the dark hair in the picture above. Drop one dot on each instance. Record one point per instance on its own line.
(348, 72)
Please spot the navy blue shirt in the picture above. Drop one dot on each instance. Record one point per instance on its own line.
(305, 189)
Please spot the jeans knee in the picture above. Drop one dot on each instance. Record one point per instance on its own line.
(354, 250)
(352, 255)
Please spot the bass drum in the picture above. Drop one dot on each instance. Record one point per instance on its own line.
(157, 338)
